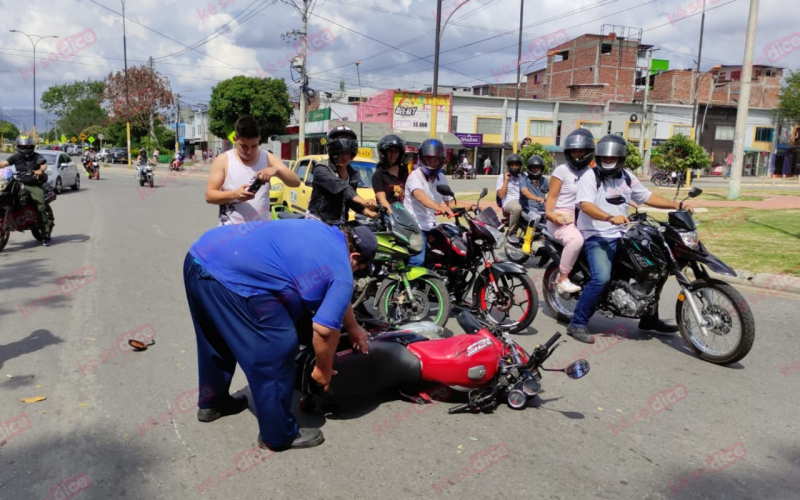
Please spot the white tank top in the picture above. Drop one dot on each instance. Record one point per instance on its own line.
(238, 173)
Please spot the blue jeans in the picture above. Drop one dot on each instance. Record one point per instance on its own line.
(600, 255)
(419, 259)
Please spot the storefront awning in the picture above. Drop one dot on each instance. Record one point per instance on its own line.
(415, 138)
(755, 150)
(554, 149)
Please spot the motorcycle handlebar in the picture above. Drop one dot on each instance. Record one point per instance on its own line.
(552, 341)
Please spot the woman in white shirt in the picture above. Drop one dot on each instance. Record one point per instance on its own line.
(561, 202)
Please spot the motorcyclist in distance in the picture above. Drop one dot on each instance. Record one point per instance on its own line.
(30, 167)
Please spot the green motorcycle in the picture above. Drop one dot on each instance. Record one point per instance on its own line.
(401, 294)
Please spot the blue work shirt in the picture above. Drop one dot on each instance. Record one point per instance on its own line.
(305, 263)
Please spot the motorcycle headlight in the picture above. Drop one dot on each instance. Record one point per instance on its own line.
(690, 239)
(276, 187)
(3, 184)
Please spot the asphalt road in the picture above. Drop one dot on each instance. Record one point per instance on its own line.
(572, 443)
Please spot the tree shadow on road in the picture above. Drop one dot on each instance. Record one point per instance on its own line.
(34, 342)
(114, 467)
(25, 274)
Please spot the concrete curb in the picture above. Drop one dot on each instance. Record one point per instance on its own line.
(775, 283)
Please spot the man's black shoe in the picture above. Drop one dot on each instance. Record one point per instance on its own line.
(46, 242)
(231, 406)
(580, 333)
(306, 438)
(657, 325)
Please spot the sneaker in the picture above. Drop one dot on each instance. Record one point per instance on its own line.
(231, 406)
(567, 287)
(657, 325)
(580, 333)
(306, 438)
(46, 242)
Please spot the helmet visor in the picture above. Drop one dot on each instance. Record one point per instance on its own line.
(25, 149)
(432, 162)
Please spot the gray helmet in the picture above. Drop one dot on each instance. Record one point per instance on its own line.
(25, 146)
(514, 158)
(612, 146)
(579, 139)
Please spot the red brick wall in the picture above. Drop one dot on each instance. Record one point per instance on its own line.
(675, 86)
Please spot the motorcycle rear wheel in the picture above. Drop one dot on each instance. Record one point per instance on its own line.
(562, 307)
(725, 319)
(5, 234)
(392, 304)
(514, 254)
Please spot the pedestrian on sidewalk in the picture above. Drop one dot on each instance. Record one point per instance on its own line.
(156, 152)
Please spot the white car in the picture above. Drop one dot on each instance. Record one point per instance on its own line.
(61, 171)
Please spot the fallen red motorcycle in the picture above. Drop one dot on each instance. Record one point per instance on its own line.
(485, 362)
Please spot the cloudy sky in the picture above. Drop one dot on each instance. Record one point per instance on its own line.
(196, 45)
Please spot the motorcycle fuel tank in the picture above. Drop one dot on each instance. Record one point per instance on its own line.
(464, 360)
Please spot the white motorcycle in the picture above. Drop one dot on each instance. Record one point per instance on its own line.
(144, 173)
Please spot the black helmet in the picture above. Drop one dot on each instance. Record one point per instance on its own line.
(341, 139)
(515, 158)
(391, 141)
(25, 146)
(579, 139)
(432, 149)
(611, 146)
(535, 167)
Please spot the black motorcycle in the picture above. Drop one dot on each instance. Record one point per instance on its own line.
(464, 253)
(17, 210)
(714, 319)
(461, 173)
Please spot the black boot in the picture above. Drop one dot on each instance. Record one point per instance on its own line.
(653, 323)
(580, 333)
(230, 406)
(306, 438)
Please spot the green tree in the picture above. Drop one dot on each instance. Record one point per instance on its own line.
(83, 115)
(8, 130)
(537, 149)
(634, 160)
(266, 100)
(680, 154)
(789, 100)
(61, 99)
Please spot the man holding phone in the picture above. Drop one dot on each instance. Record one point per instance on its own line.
(232, 177)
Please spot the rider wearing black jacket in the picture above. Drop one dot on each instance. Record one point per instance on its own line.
(30, 167)
(335, 183)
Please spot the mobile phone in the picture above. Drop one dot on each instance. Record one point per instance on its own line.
(255, 186)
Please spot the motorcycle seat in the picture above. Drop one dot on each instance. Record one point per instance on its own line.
(290, 215)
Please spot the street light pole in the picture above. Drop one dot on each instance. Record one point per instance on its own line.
(360, 104)
(439, 32)
(39, 39)
(744, 102)
(519, 69)
(697, 76)
(127, 93)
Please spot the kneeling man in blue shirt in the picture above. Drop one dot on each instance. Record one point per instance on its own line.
(247, 285)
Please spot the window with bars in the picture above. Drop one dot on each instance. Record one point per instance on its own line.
(453, 124)
(634, 131)
(490, 126)
(736, 76)
(540, 128)
(682, 130)
(724, 133)
(594, 128)
(764, 134)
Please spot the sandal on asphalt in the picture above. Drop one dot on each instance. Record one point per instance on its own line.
(231, 406)
(306, 438)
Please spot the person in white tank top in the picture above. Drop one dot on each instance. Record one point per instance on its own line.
(232, 174)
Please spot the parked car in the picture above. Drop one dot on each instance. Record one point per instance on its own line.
(61, 171)
(296, 199)
(74, 150)
(119, 155)
(717, 171)
(104, 155)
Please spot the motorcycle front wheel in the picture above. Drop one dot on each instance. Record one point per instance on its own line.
(150, 181)
(5, 234)
(731, 326)
(431, 302)
(515, 304)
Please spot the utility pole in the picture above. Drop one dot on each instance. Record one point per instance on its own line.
(127, 90)
(697, 75)
(360, 104)
(435, 106)
(39, 38)
(519, 68)
(303, 85)
(714, 79)
(645, 116)
(744, 102)
(177, 121)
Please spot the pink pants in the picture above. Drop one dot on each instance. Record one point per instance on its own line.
(572, 239)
